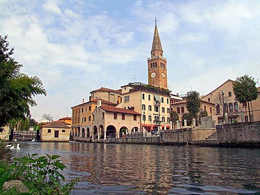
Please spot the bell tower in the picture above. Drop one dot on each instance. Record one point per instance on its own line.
(157, 64)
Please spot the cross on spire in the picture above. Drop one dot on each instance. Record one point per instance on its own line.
(155, 21)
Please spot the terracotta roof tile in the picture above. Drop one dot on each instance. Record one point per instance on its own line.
(118, 110)
(56, 124)
(65, 118)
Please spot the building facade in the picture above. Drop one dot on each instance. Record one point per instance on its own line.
(112, 122)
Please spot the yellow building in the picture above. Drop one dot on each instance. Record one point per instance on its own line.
(256, 107)
(82, 115)
(4, 133)
(112, 122)
(181, 108)
(55, 131)
(153, 104)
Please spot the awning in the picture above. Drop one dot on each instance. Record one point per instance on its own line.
(157, 98)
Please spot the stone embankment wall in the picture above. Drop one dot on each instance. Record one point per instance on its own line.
(239, 134)
(186, 136)
(140, 140)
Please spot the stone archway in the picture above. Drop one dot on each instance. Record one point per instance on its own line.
(101, 131)
(88, 132)
(122, 131)
(95, 132)
(111, 131)
(134, 129)
(82, 132)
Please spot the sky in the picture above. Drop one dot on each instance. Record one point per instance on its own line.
(77, 46)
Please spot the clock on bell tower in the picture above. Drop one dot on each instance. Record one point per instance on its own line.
(157, 64)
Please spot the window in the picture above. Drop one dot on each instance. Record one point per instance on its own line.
(210, 110)
(115, 115)
(144, 118)
(162, 100)
(89, 118)
(49, 130)
(82, 110)
(205, 109)
(168, 110)
(85, 119)
(229, 94)
(150, 108)
(63, 131)
(143, 106)
(225, 107)
(167, 100)
(126, 98)
(89, 108)
(103, 115)
(143, 96)
(182, 109)
(230, 107)
(134, 117)
(178, 110)
(93, 117)
(149, 97)
(163, 119)
(163, 110)
(56, 134)
(168, 120)
(208, 99)
(123, 116)
(150, 118)
(235, 107)
(156, 108)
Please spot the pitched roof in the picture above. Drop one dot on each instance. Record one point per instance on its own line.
(157, 46)
(185, 101)
(95, 100)
(65, 118)
(118, 110)
(108, 90)
(219, 87)
(56, 124)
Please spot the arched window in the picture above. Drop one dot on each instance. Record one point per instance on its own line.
(235, 107)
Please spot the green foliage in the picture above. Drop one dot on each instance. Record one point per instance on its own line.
(16, 89)
(245, 89)
(188, 117)
(193, 103)
(174, 117)
(40, 174)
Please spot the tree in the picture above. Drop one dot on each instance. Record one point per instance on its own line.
(48, 117)
(188, 117)
(16, 89)
(222, 101)
(203, 113)
(193, 103)
(174, 117)
(245, 91)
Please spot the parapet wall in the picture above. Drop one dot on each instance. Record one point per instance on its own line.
(240, 133)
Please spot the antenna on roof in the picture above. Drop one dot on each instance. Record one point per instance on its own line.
(155, 21)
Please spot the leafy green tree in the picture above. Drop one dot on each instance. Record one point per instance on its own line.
(245, 90)
(16, 89)
(188, 117)
(193, 103)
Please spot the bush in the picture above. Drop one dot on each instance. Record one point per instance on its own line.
(40, 174)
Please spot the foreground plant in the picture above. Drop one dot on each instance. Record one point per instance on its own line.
(40, 174)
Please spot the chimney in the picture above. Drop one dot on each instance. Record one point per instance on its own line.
(99, 103)
(83, 100)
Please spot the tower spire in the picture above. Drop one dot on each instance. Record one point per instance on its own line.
(157, 46)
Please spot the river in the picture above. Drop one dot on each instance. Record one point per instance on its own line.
(153, 169)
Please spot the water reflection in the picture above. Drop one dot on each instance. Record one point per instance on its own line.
(151, 169)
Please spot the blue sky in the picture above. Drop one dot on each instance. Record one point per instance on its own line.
(77, 46)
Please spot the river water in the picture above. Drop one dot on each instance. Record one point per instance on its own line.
(153, 169)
